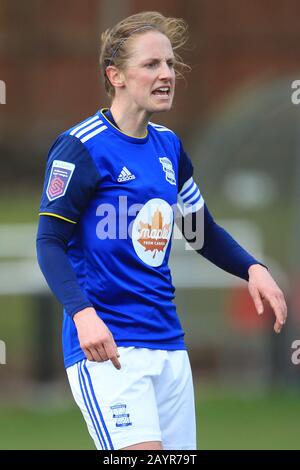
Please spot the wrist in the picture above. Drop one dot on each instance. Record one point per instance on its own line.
(256, 268)
(84, 313)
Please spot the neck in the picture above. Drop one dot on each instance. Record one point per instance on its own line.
(130, 120)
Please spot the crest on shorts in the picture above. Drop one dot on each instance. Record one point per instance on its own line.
(60, 176)
(121, 416)
(168, 169)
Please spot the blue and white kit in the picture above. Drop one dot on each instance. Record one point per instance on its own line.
(104, 240)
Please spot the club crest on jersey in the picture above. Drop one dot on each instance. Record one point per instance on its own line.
(168, 169)
(60, 177)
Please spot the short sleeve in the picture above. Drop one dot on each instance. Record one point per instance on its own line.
(189, 196)
(70, 180)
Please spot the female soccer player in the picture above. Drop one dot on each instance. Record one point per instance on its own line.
(104, 238)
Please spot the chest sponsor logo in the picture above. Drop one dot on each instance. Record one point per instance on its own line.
(151, 231)
(60, 177)
(168, 169)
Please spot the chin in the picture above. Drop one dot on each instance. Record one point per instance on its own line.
(164, 108)
(160, 108)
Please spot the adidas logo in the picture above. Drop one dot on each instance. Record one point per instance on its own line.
(125, 175)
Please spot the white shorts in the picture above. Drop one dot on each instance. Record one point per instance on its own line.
(151, 398)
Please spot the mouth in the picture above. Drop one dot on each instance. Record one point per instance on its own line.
(163, 91)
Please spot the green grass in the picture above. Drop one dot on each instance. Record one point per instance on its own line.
(225, 421)
(25, 429)
(245, 422)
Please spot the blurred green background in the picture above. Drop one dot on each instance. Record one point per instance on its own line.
(237, 121)
(226, 420)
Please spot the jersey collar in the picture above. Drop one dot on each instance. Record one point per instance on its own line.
(116, 130)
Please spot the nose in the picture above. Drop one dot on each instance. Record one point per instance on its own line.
(165, 71)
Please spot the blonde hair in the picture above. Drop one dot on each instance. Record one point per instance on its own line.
(114, 41)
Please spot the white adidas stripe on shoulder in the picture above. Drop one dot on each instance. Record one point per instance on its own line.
(86, 123)
(160, 128)
(92, 134)
(88, 129)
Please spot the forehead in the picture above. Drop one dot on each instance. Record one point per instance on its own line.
(150, 44)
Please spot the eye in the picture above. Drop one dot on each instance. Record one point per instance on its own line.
(151, 65)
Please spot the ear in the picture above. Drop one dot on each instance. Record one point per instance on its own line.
(115, 76)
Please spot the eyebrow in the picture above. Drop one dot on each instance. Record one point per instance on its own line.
(156, 59)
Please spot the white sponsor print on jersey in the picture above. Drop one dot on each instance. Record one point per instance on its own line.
(152, 230)
(125, 175)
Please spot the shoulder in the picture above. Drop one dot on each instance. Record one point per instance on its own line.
(76, 143)
(86, 130)
(160, 128)
(164, 133)
(79, 139)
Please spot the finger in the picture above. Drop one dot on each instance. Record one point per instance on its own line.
(88, 354)
(114, 345)
(116, 362)
(277, 327)
(96, 355)
(102, 353)
(257, 301)
(278, 310)
(112, 353)
(284, 308)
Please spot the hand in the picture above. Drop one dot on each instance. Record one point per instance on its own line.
(95, 339)
(263, 287)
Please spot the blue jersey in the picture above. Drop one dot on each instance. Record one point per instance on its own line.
(121, 193)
